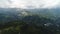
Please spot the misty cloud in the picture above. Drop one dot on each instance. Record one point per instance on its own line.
(29, 3)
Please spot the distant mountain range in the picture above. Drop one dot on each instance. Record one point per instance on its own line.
(11, 14)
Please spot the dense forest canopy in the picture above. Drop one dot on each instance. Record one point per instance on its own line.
(21, 21)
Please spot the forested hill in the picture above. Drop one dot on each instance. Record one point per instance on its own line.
(30, 25)
(22, 21)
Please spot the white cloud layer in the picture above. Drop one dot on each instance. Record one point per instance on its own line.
(29, 3)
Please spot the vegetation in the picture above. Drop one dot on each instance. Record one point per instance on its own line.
(30, 25)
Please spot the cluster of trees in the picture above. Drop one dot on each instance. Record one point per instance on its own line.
(30, 25)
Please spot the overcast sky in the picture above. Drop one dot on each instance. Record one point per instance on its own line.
(29, 3)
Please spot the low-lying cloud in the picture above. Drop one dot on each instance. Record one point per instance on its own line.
(29, 3)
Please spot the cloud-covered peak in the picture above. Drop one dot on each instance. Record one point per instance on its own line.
(29, 3)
